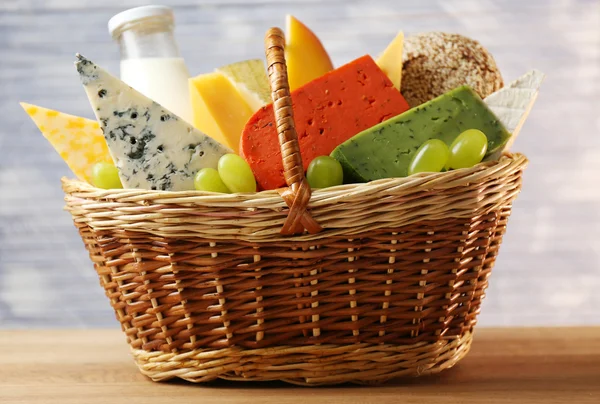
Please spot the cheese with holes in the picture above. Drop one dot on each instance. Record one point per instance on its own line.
(390, 60)
(327, 112)
(249, 78)
(219, 109)
(79, 141)
(152, 147)
(513, 103)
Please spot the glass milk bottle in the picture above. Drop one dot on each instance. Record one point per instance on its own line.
(150, 60)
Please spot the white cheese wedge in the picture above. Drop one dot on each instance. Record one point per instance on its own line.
(513, 103)
(152, 147)
(250, 79)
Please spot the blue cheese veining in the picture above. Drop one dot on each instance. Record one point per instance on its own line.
(152, 147)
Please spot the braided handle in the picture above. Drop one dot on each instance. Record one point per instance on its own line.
(297, 195)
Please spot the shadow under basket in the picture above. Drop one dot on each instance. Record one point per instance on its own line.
(388, 283)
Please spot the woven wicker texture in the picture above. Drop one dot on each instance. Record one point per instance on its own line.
(205, 285)
(298, 193)
(399, 261)
(326, 364)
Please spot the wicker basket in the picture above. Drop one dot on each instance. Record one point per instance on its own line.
(387, 281)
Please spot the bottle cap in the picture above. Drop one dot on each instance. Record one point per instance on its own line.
(137, 14)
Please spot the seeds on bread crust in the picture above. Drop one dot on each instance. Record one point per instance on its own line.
(437, 62)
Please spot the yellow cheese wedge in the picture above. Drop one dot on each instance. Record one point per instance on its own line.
(219, 109)
(390, 60)
(305, 55)
(250, 79)
(79, 141)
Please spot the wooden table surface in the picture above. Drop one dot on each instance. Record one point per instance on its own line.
(506, 365)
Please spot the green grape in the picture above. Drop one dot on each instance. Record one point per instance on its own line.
(468, 149)
(431, 157)
(106, 176)
(236, 173)
(324, 172)
(208, 179)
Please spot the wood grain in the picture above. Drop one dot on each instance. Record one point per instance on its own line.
(523, 365)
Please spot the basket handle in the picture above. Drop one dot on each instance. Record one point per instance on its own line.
(297, 194)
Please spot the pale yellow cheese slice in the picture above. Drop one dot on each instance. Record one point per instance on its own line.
(219, 109)
(513, 103)
(390, 60)
(79, 141)
(250, 79)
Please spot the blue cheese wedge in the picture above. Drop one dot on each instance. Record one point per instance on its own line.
(152, 147)
(513, 103)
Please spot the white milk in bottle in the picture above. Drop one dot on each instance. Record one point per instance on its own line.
(150, 60)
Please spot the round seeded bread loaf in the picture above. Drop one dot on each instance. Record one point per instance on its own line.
(436, 62)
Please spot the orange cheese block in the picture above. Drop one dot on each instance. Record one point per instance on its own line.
(328, 111)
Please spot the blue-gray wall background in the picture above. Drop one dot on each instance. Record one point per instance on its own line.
(548, 271)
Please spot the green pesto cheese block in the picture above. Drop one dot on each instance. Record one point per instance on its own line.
(350, 175)
(385, 150)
